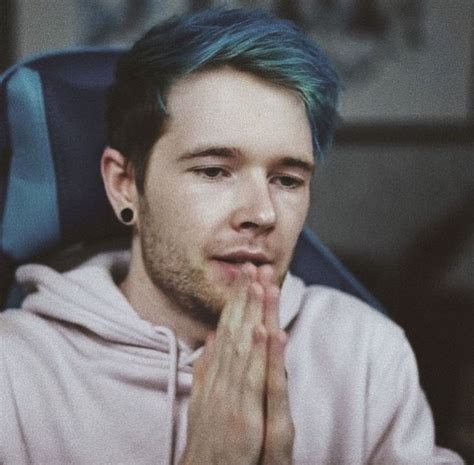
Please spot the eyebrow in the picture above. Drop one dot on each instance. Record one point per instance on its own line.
(232, 152)
(293, 162)
(224, 152)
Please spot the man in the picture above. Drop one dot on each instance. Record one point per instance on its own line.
(198, 346)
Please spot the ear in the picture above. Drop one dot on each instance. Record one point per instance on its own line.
(119, 181)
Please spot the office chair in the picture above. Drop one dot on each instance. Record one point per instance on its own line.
(52, 134)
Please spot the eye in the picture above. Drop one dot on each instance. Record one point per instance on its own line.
(211, 172)
(289, 182)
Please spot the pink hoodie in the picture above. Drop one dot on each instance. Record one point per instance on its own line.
(84, 380)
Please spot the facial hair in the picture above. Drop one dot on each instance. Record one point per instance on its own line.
(170, 270)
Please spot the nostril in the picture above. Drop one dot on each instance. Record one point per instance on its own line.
(248, 225)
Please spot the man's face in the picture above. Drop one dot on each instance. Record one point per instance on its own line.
(227, 183)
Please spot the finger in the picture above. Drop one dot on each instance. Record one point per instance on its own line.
(232, 313)
(198, 371)
(209, 345)
(279, 425)
(253, 313)
(256, 369)
(234, 345)
(277, 378)
(272, 309)
(266, 275)
(277, 383)
(202, 363)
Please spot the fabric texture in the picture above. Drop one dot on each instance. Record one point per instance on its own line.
(84, 380)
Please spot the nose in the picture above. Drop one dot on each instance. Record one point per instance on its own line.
(254, 207)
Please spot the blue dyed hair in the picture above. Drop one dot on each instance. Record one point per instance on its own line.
(247, 40)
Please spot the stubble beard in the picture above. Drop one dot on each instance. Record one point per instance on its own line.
(171, 271)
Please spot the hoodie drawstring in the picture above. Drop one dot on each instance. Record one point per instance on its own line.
(171, 393)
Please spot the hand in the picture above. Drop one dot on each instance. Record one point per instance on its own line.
(279, 428)
(226, 410)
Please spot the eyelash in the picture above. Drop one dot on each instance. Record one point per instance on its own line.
(205, 172)
(218, 173)
(295, 182)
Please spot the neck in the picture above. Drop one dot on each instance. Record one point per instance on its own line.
(154, 306)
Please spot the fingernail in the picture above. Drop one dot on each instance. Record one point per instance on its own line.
(249, 271)
(274, 291)
(282, 338)
(266, 274)
(257, 289)
(259, 334)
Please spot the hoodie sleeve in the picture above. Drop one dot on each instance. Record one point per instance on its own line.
(400, 423)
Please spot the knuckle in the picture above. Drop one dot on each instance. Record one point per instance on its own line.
(252, 423)
(220, 393)
(255, 379)
(245, 424)
(217, 396)
(226, 333)
(277, 388)
(259, 334)
(283, 431)
(238, 351)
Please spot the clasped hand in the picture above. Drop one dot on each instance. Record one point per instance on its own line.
(239, 410)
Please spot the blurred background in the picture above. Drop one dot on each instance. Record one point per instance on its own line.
(395, 197)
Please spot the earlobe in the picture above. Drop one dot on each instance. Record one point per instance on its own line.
(119, 181)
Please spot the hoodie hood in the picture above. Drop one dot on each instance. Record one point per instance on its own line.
(88, 297)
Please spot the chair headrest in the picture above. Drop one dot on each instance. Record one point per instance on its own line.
(51, 138)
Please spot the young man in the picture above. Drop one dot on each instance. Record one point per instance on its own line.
(198, 346)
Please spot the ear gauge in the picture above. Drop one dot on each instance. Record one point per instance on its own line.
(126, 214)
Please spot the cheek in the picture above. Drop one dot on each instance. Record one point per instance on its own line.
(293, 212)
(207, 206)
(192, 216)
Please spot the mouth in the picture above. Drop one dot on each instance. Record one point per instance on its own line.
(240, 258)
(230, 264)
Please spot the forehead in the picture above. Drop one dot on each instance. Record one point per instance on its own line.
(226, 107)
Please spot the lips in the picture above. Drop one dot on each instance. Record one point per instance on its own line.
(240, 257)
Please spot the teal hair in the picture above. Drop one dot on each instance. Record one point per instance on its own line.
(248, 40)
